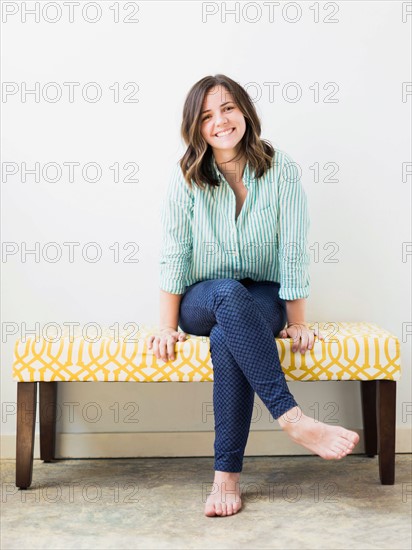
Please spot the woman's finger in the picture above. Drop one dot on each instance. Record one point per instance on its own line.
(296, 340)
(291, 332)
(304, 341)
(311, 340)
(162, 349)
(171, 341)
(156, 347)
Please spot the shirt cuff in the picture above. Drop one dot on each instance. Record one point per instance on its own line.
(174, 287)
(293, 293)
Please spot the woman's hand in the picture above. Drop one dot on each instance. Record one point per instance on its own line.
(303, 337)
(163, 343)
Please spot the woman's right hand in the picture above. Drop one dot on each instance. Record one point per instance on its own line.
(163, 343)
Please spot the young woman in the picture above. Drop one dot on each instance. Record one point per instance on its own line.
(234, 266)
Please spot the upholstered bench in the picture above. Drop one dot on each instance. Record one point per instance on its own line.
(350, 351)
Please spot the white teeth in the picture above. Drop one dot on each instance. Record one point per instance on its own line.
(225, 133)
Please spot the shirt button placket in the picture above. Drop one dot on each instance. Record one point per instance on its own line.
(236, 253)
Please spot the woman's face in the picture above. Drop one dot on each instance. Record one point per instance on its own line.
(222, 123)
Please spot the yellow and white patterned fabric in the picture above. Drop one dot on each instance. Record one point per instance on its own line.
(350, 351)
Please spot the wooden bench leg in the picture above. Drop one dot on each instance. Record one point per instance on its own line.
(26, 422)
(369, 412)
(386, 400)
(47, 405)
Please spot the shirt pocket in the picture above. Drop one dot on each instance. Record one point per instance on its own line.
(268, 209)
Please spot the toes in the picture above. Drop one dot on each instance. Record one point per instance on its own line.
(210, 509)
(219, 509)
(336, 452)
(348, 444)
(338, 455)
(329, 454)
(222, 509)
(350, 448)
(341, 447)
(343, 450)
(355, 438)
(352, 438)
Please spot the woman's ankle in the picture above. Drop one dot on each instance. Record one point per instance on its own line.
(289, 419)
(226, 475)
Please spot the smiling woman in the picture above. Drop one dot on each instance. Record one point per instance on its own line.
(223, 126)
(219, 117)
(235, 266)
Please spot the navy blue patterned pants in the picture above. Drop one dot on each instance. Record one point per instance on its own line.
(242, 318)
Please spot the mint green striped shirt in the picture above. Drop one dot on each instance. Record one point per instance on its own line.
(267, 242)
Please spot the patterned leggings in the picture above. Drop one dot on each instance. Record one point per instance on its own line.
(241, 318)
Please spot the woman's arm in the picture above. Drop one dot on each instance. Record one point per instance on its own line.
(176, 250)
(297, 328)
(163, 343)
(175, 259)
(295, 310)
(169, 309)
(293, 227)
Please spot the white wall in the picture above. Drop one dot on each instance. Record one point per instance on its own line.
(366, 212)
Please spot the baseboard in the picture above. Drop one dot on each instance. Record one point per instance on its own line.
(174, 444)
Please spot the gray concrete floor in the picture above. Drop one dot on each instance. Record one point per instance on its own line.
(288, 503)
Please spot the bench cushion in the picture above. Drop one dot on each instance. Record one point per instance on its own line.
(351, 351)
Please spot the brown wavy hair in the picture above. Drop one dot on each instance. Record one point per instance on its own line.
(196, 163)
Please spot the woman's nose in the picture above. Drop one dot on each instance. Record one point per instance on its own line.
(221, 120)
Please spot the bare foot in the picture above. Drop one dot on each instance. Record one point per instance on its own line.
(224, 499)
(329, 442)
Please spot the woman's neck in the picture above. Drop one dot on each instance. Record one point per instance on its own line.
(231, 169)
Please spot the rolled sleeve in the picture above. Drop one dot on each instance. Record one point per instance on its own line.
(293, 227)
(177, 243)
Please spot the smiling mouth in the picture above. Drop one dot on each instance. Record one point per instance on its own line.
(224, 133)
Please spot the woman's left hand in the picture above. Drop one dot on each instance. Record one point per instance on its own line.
(303, 337)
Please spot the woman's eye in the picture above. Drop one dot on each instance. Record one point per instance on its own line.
(230, 108)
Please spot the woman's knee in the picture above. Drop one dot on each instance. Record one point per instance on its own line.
(216, 338)
(230, 289)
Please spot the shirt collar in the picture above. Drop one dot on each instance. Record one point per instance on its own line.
(248, 173)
